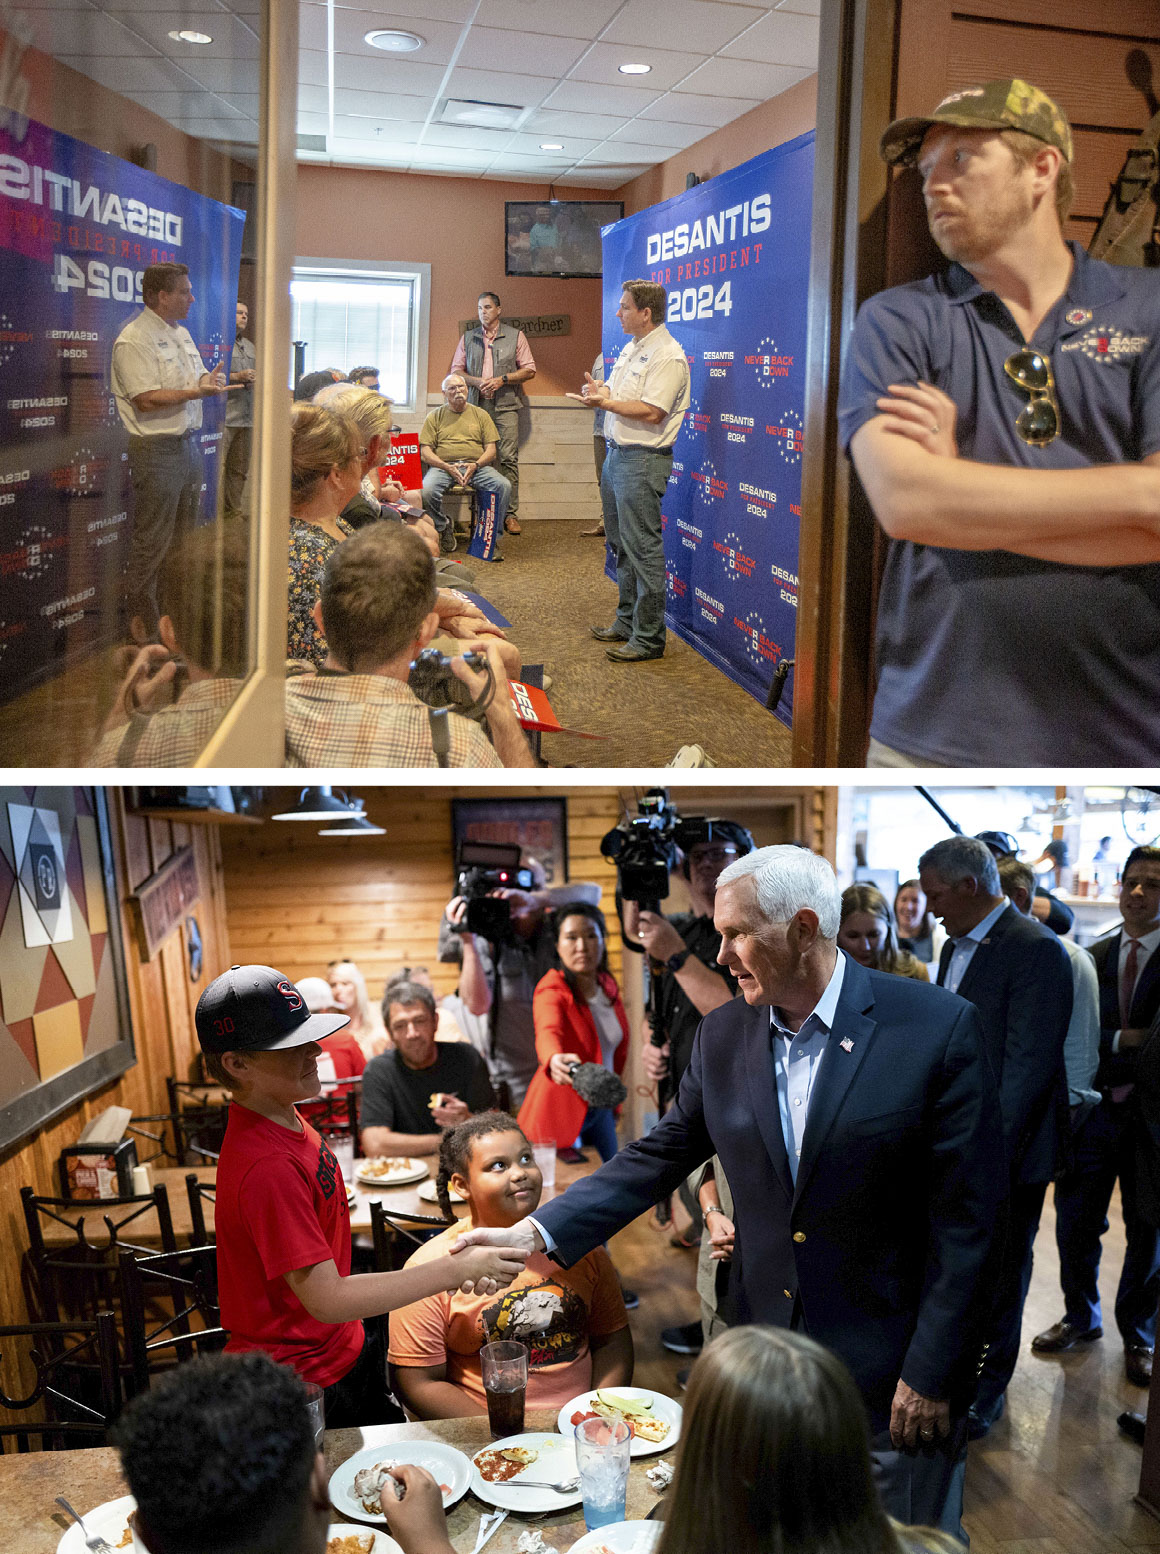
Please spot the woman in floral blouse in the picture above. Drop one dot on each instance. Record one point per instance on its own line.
(326, 455)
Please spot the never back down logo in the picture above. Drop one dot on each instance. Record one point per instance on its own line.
(770, 365)
(787, 429)
(759, 646)
(710, 485)
(736, 562)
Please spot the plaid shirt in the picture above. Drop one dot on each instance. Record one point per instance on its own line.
(371, 720)
(171, 736)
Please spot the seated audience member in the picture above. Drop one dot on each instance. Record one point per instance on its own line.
(174, 693)
(348, 989)
(283, 1231)
(376, 499)
(310, 383)
(579, 1018)
(325, 471)
(365, 377)
(341, 1056)
(866, 933)
(377, 612)
(422, 1086)
(458, 443)
(919, 931)
(219, 1455)
(572, 1320)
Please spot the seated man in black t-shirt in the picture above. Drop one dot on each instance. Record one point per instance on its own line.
(411, 1094)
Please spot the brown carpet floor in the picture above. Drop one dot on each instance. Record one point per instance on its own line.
(551, 586)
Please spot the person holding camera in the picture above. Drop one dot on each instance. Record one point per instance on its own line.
(377, 611)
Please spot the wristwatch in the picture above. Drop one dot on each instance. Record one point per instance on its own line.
(504, 378)
(714, 1208)
(675, 962)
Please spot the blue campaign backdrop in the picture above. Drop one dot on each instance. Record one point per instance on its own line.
(733, 254)
(77, 229)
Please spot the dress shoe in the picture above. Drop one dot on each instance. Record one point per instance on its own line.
(607, 633)
(1138, 1364)
(512, 525)
(596, 533)
(1064, 1335)
(1132, 1425)
(632, 655)
(447, 541)
(684, 1340)
(980, 1420)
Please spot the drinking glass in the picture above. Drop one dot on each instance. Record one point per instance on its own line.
(602, 1456)
(316, 1408)
(342, 1148)
(545, 1153)
(505, 1381)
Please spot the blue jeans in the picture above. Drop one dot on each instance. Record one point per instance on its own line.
(632, 484)
(599, 1129)
(487, 479)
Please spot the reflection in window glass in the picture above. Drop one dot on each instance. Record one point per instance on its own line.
(128, 160)
(345, 322)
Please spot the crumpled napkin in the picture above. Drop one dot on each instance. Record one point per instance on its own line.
(660, 1476)
(532, 1542)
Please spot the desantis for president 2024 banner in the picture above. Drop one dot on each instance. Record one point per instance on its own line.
(78, 227)
(733, 254)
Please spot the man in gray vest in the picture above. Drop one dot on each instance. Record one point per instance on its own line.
(495, 359)
(239, 429)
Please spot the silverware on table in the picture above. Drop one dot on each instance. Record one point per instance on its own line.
(563, 1486)
(98, 1545)
(488, 1523)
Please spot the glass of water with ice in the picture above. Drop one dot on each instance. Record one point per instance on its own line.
(602, 1456)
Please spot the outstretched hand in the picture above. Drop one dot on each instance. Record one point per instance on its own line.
(924, 414)
(523, 1235)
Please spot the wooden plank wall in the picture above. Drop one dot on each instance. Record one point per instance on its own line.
(1085, 56)
(162, 1000)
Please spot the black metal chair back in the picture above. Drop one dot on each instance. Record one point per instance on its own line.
(200, 1115)
(334, 1113)
(394, 1239)
(170, 1310)
(79, 1278)
(65, 1378)
(200, 1193)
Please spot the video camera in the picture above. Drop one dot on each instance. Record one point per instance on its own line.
(481, 868)
(646, 848)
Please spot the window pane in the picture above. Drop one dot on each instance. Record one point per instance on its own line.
(346, 323)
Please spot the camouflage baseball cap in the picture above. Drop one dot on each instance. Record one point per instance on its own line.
(996, 105)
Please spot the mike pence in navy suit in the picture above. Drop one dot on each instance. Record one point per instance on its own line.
(877, 1238)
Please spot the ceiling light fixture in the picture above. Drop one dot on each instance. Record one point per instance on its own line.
(634, 70)
(551, 145)
(353, 824)
(394, 41)
(316, 804)
(185, 36)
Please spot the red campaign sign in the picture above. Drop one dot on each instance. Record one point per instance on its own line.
(403, 463)
(534, 710)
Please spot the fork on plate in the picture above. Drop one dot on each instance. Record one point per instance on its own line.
(97, 1545)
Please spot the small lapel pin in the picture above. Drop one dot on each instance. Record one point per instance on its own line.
(846, 1044)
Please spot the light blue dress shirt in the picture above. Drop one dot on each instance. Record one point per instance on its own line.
(965, 947)
(796, 1058)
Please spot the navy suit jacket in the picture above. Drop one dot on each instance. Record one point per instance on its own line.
(882, 1249)
(1019, 980)
(1119, 1068)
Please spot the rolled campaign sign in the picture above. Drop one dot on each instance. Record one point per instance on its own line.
(485, 534)
(597, 1085)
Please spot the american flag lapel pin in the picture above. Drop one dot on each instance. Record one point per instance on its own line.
(846, 1044)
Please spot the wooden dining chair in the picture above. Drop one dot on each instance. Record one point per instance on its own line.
(169, 1311)
(63, 1377)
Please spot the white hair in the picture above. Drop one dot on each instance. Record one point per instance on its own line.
(453, 377)
(785, 879)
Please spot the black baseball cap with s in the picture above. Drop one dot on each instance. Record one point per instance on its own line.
(257, 1009)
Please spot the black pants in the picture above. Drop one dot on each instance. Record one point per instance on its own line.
(166, 474)
(361, 1396)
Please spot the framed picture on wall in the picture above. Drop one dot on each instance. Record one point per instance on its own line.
(539, 827)
(64, 1007)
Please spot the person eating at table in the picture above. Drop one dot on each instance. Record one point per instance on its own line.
(282, 1224)
(572, 1320)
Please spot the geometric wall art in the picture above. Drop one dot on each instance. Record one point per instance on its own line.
(64, 1021)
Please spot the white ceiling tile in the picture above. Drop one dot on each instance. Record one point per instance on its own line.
(232, 37)
(387, 106)
(351, 27)
(411, 11)
(241, 130)
(91, 32)
(466, 136)
(743, 77)
(311, 27)
(528, 144)
(311, 68)
(702, 22)
(312, 99)
(587, 97)
(217, 75)
(552, 123)
(492, 48)
(782, 38)
(374, 71)
(653, 132)
(561, 18)
(189, 105)
(806, 7)
(494, 86)
(690, 108)
(626, 151)
(528, 169)
(450, 156)
(248, 103)
(602, 60)
(313, 123)
(349, 127)
(133, 74)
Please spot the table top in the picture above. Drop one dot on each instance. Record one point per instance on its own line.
(32, 1523)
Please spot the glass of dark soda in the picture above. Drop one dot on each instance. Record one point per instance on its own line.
(505, 1381)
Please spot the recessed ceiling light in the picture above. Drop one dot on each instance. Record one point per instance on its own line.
(634, 70)
(185, 36)
(551, 145)
(393, 41)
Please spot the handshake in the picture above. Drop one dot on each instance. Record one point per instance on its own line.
(492, 1257)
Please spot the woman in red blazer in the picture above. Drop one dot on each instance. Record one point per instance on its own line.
(579, 1018)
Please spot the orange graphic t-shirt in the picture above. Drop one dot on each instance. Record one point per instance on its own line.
(555, 1311)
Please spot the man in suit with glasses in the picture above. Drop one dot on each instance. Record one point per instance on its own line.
(1004, 419)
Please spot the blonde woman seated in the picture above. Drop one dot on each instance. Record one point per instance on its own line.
(866, 933)
(348, 988)
(572, 1319)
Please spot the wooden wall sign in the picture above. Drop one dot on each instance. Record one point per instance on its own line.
(164, 898)
(542, 326)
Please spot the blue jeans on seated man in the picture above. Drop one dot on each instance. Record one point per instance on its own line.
(485, 480)
(632, 484)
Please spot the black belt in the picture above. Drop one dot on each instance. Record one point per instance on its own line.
(640, 447)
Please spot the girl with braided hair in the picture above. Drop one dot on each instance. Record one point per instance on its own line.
(572, 1320)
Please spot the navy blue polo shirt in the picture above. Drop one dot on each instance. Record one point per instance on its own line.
(986, 658)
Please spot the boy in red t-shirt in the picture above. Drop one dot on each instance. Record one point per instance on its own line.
(283, 1229)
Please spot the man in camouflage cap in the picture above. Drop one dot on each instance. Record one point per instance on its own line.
(1004, 419)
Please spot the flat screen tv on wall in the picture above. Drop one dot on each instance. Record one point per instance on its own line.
(557, 237)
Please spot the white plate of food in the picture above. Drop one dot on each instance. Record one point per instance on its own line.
(620, 1538)
(449, 1468)
(429, 1194)
(655, 1419)
(342, 1538)
(497, 1469)
(109, 1521)
(389, 1171)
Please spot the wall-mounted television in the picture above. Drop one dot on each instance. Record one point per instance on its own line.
(557, 237)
